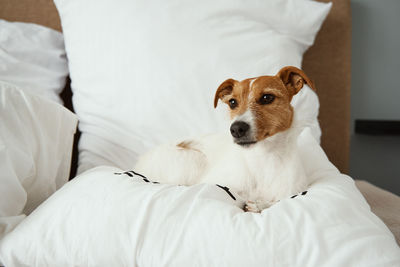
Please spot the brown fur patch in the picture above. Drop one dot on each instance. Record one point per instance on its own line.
(269, 118)
(188, 144)
(224, 89)
(276, 116)
(294, 79)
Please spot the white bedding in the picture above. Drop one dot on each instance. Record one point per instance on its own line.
(36, 136)
(108, 217)
(145, 72)
(33, 58)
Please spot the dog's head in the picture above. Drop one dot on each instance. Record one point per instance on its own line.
(260, 107)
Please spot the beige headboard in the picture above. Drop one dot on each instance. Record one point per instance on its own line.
(327, 63)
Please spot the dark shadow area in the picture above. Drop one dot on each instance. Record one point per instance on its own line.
(66, 96)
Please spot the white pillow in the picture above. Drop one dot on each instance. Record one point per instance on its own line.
(33, 57)
(36, 137)
(145, 72)
(106, 217)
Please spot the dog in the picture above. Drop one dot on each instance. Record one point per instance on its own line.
(259, 160)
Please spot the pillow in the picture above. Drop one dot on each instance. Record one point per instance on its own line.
(33, 58)
(36, 137)
(108, 217)
(145, 72)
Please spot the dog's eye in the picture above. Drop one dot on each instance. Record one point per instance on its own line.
(266, 99)
(232, 103)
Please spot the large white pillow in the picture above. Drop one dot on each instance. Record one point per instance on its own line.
(33, 57)
(107, 217)
(145, 72)
(36, 136)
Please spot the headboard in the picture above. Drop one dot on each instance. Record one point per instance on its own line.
(327, 62)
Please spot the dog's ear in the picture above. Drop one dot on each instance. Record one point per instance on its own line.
(224, 89)
(294, 79)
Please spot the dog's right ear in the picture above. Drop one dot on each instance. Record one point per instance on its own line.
(224, 89)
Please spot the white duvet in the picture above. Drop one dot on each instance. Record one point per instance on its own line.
(111, 217)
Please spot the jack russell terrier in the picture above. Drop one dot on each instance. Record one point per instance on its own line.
(261, 164)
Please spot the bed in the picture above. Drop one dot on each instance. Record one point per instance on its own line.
(327, 62)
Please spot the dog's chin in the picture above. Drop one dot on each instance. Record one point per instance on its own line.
(245, 143)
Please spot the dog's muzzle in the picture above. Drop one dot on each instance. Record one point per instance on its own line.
(240, 131)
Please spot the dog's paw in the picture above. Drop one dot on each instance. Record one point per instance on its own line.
(251, 206)
(257, 206)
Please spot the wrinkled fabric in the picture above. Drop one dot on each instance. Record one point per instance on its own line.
(113, 217)
(33, 57)
(36, 137)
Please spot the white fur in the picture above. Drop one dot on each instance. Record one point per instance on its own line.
(247, 117)
(262, 173)
(252, 81)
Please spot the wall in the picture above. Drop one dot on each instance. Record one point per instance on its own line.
(375, 91)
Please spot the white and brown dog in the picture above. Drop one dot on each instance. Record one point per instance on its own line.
(262, 164)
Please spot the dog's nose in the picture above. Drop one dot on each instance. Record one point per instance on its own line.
(239, 129)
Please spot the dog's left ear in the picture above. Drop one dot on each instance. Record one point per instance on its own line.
(294, 79)
(224, 89)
